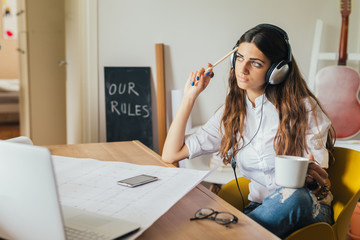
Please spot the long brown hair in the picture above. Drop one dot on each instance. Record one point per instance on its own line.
(289, 97)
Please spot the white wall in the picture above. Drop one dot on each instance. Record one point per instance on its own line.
(202, 31)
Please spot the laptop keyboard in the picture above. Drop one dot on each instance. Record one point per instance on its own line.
(75, 234)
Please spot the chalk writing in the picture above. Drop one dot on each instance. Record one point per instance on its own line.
(130, 109)
(121, 88)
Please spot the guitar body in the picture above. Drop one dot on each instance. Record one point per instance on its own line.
(338, 86)
(338, 90)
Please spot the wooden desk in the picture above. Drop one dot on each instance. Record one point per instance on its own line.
(175, 224)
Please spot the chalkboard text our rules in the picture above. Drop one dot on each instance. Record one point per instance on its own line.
(126, 108)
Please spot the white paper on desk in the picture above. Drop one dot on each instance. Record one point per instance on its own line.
(92, 185)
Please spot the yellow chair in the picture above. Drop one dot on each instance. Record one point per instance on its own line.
(345, 186)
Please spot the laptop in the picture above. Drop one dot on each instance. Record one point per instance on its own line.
(29, 201)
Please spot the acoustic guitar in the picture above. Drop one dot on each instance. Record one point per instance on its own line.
(337, 87)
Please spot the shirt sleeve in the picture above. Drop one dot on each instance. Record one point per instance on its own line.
(207, 139)
(316, 135)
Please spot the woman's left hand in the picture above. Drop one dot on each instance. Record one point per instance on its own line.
(316, 173)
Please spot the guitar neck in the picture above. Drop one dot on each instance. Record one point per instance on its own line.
(343, 40)
(345, 6)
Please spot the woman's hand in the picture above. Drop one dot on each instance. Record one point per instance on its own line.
(197, 82)
(316, 172)
(317, 175)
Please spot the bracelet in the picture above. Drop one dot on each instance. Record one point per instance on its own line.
(323, 192)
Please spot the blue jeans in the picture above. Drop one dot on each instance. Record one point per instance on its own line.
(287, 210)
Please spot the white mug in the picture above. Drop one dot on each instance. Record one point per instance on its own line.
(290, 171)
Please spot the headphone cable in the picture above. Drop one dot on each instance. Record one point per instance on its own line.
(233, 161)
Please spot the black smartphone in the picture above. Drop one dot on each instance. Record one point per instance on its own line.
(137, 180)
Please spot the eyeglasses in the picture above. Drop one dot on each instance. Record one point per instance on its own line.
(223, 218)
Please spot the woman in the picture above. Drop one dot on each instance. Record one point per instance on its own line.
(268, 111)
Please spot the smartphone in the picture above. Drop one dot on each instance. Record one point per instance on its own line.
(137, 180)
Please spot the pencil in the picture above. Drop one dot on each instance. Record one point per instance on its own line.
(223, 58)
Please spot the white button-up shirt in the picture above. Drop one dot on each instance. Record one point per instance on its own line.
(256, 161)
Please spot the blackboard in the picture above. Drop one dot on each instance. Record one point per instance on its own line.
(128, 104)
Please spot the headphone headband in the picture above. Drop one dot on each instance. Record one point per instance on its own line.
(284, 34)
(266, 25)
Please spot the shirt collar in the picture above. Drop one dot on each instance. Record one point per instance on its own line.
(258, 101)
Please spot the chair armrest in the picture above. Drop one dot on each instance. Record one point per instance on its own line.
(319, 230)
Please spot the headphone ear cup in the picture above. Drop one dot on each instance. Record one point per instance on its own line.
(269, 73)
(277, 73)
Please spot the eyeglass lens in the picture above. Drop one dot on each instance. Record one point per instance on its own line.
(220, 217)
(224, 218)
(204, 213)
